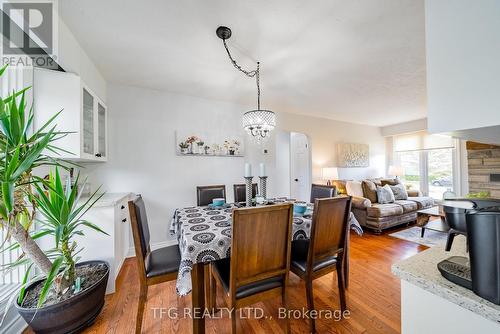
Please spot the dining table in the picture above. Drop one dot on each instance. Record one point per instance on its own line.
(204, 235)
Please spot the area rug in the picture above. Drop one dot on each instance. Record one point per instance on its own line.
(430, 239)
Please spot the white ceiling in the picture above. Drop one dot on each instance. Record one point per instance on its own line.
(361, 61)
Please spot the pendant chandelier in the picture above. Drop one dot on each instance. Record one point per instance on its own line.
(257, 123)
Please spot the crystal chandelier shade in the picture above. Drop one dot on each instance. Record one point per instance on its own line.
(257, 123)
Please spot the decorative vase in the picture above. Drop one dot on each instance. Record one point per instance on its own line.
(263, 186)
(248, 190)
(231, 152)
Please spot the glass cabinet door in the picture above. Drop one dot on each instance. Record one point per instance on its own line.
(88, 122)
(101, 130)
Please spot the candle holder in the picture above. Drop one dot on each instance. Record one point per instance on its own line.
(263, 186)
(248, 190)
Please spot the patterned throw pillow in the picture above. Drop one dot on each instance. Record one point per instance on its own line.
(399, 192)
(385, 194)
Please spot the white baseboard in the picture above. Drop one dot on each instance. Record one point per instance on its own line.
(156, 245)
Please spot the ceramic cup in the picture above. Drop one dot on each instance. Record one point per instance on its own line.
(218, 201)
(299, 207)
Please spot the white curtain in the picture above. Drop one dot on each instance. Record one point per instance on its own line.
(419, 141)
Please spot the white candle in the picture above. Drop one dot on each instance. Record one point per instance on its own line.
(262, 169)
(248, 169)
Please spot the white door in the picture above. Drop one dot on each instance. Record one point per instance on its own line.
(300, 166)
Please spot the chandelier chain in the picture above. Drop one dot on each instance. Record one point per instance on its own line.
(255, 73)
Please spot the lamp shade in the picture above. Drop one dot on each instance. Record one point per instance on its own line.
(396, 170)
(329, 173)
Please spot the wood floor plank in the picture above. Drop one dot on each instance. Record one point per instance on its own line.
(373, 298)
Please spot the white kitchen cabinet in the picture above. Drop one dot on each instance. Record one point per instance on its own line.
(83, 114)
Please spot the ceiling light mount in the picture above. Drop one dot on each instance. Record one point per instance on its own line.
(258, 123)
(223, 32)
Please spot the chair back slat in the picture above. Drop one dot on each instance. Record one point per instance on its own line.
(329, 226)
(319, 191)
(205, 194)
(240, 193)
(261, 243)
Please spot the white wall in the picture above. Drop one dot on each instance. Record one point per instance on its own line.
(142, 158)
(463, 64)
(324, 134)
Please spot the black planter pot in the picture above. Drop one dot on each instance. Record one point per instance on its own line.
(71, 315)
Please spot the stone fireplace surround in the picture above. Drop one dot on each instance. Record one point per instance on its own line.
(484, 168)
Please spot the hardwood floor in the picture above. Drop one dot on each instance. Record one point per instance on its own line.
(373, 298)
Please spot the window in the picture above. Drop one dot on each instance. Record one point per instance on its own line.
(440, 171)
(428, 162)
(410, 161)
(14, 78)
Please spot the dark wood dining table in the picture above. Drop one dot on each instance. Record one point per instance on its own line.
(204, 235)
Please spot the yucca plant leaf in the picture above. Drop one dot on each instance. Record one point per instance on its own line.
(58, 234)
(9, 98)
(3, 69)
(12, 164)
(40, 133)
(22, 292)
(8, 195)
(92, 226)
(56, 265)
(89, 203)
(31, 157)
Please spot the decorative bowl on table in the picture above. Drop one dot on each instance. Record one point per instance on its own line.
(299, 208)
(218, 202)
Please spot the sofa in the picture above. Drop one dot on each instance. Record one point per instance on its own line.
(377, 216)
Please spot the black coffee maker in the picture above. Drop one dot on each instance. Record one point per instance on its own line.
(481, 271)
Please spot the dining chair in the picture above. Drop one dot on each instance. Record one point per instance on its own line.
(205, 194)
(259, 264)
(154, 267)
(324, 252)
(240, 194)
(322, 191)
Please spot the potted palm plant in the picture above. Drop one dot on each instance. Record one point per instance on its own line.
(53, 283)
(72, 295)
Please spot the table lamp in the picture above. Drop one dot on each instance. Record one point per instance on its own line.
(396, 171)
(328, 174)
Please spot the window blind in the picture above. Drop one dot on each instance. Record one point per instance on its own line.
(420, 141)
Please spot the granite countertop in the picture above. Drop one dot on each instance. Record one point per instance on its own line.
(109, 199)
(421, 270)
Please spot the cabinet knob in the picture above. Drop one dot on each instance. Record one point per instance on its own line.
(98, 155)
(124, 220)
(122, 207)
